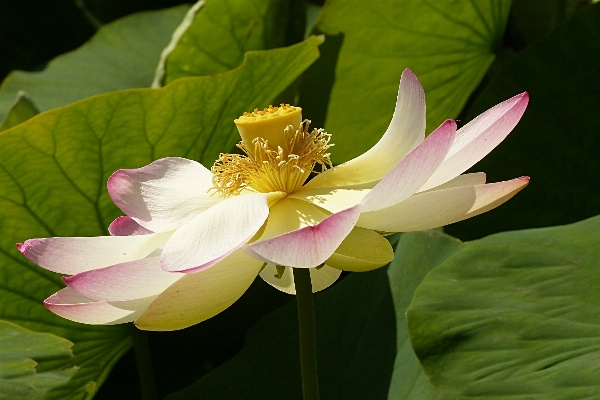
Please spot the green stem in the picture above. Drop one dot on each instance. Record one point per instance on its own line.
(307, 333)
(144, 364)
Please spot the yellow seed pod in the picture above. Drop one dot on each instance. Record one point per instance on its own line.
(269, 124)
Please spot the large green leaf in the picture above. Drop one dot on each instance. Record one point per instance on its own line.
(355, 345)
(417, 253)
(448, 44)
(121, 55)
(515, 315)
(557, 141)
(31, 363)
(53, 171)
(21, 110)
(215, 35)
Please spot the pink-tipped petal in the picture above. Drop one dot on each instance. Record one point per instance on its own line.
(214, 234)
(73, 306)
(72, 255)
(282, 278)
(412, 171)
(480, 136)
(164, 194)
(126, 226)
(435, 208)
(197, 297)
(309, 246)
(405, 132)
(121, 282)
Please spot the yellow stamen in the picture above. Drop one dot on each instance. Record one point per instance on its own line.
(270, 169)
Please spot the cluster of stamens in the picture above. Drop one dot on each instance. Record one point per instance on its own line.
(269, 170)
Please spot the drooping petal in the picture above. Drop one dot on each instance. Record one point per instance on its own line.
(72, 255)
(406, 131)
(309, 246)
(121, 282)
(126, 226)
(362, 250)
(321, 278)
(73, 306)
(214, 234)
(435, 208)
(480, 136)
(164, 194)
(197, 297)
(412, 171)
(475, 178)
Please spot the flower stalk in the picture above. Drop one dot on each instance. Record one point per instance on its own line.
(307, 333)
(144, 364)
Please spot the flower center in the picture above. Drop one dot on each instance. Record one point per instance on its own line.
(280, 153)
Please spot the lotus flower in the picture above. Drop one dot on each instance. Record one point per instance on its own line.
(193, 239)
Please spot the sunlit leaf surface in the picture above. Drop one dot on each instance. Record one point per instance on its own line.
(239, 25)
(448, 44)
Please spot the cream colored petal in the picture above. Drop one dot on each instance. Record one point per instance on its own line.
(406, 131)
(321, 278)
(332, 200)
(197, 297)
(476, 178)
(362, 250)
(291, 214)
(435, 208)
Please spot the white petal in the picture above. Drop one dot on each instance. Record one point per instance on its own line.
(406, 131)
(480, 136)
(321, 278)
(72, 255)
(121, 282)
(412, 171)
(197, 297)
(73, 306)
(214, 234)
(435, 208)
(164, 194)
